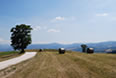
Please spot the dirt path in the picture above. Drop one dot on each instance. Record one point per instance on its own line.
(7, 63)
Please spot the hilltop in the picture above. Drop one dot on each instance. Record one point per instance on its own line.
(50, 64)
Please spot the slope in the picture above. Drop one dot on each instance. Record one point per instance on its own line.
(69, 65)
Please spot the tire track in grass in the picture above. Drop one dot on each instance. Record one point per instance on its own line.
(105, 58)
(103, 70)
(37, 65)
(73, 69)
(61, 70)
(28, 69)
(99, 61)
(47, 69)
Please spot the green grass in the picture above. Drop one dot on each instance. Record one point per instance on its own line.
(8, 55)
(50, 64)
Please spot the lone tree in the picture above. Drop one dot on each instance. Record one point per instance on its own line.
(21, 37)
(84, 46)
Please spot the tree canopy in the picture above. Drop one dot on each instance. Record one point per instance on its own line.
(21, 37)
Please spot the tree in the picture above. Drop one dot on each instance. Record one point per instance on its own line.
(84, 46)
(21, 37)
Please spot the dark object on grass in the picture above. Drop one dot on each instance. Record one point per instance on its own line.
(40, 50)
(61, 50)
(90, 50)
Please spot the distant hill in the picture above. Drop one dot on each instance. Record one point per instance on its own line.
(99, 47)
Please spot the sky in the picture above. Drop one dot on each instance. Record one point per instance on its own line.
(60, 21)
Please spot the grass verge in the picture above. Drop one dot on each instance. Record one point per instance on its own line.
(8, 55)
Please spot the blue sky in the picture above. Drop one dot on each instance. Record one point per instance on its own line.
(61, 21)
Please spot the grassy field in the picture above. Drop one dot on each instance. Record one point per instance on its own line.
(8, 55)
(70, 65)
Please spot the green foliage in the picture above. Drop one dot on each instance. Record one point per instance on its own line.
(84, 46)
(20, 37)
(8, 53)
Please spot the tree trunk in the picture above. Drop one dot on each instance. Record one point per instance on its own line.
(84, 50)
(22, 51)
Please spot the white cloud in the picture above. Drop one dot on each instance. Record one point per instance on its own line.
(53, 30)
(36, 28)
(3, 41)
(102, 14)
(59, 18)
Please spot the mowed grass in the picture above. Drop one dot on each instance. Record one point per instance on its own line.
(69, 65)
(8, 55)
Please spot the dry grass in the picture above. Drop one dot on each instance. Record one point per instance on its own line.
(70, 65)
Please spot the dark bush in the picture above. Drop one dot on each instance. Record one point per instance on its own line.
(40, 50)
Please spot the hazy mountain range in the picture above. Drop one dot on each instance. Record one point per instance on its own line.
(99, 47)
